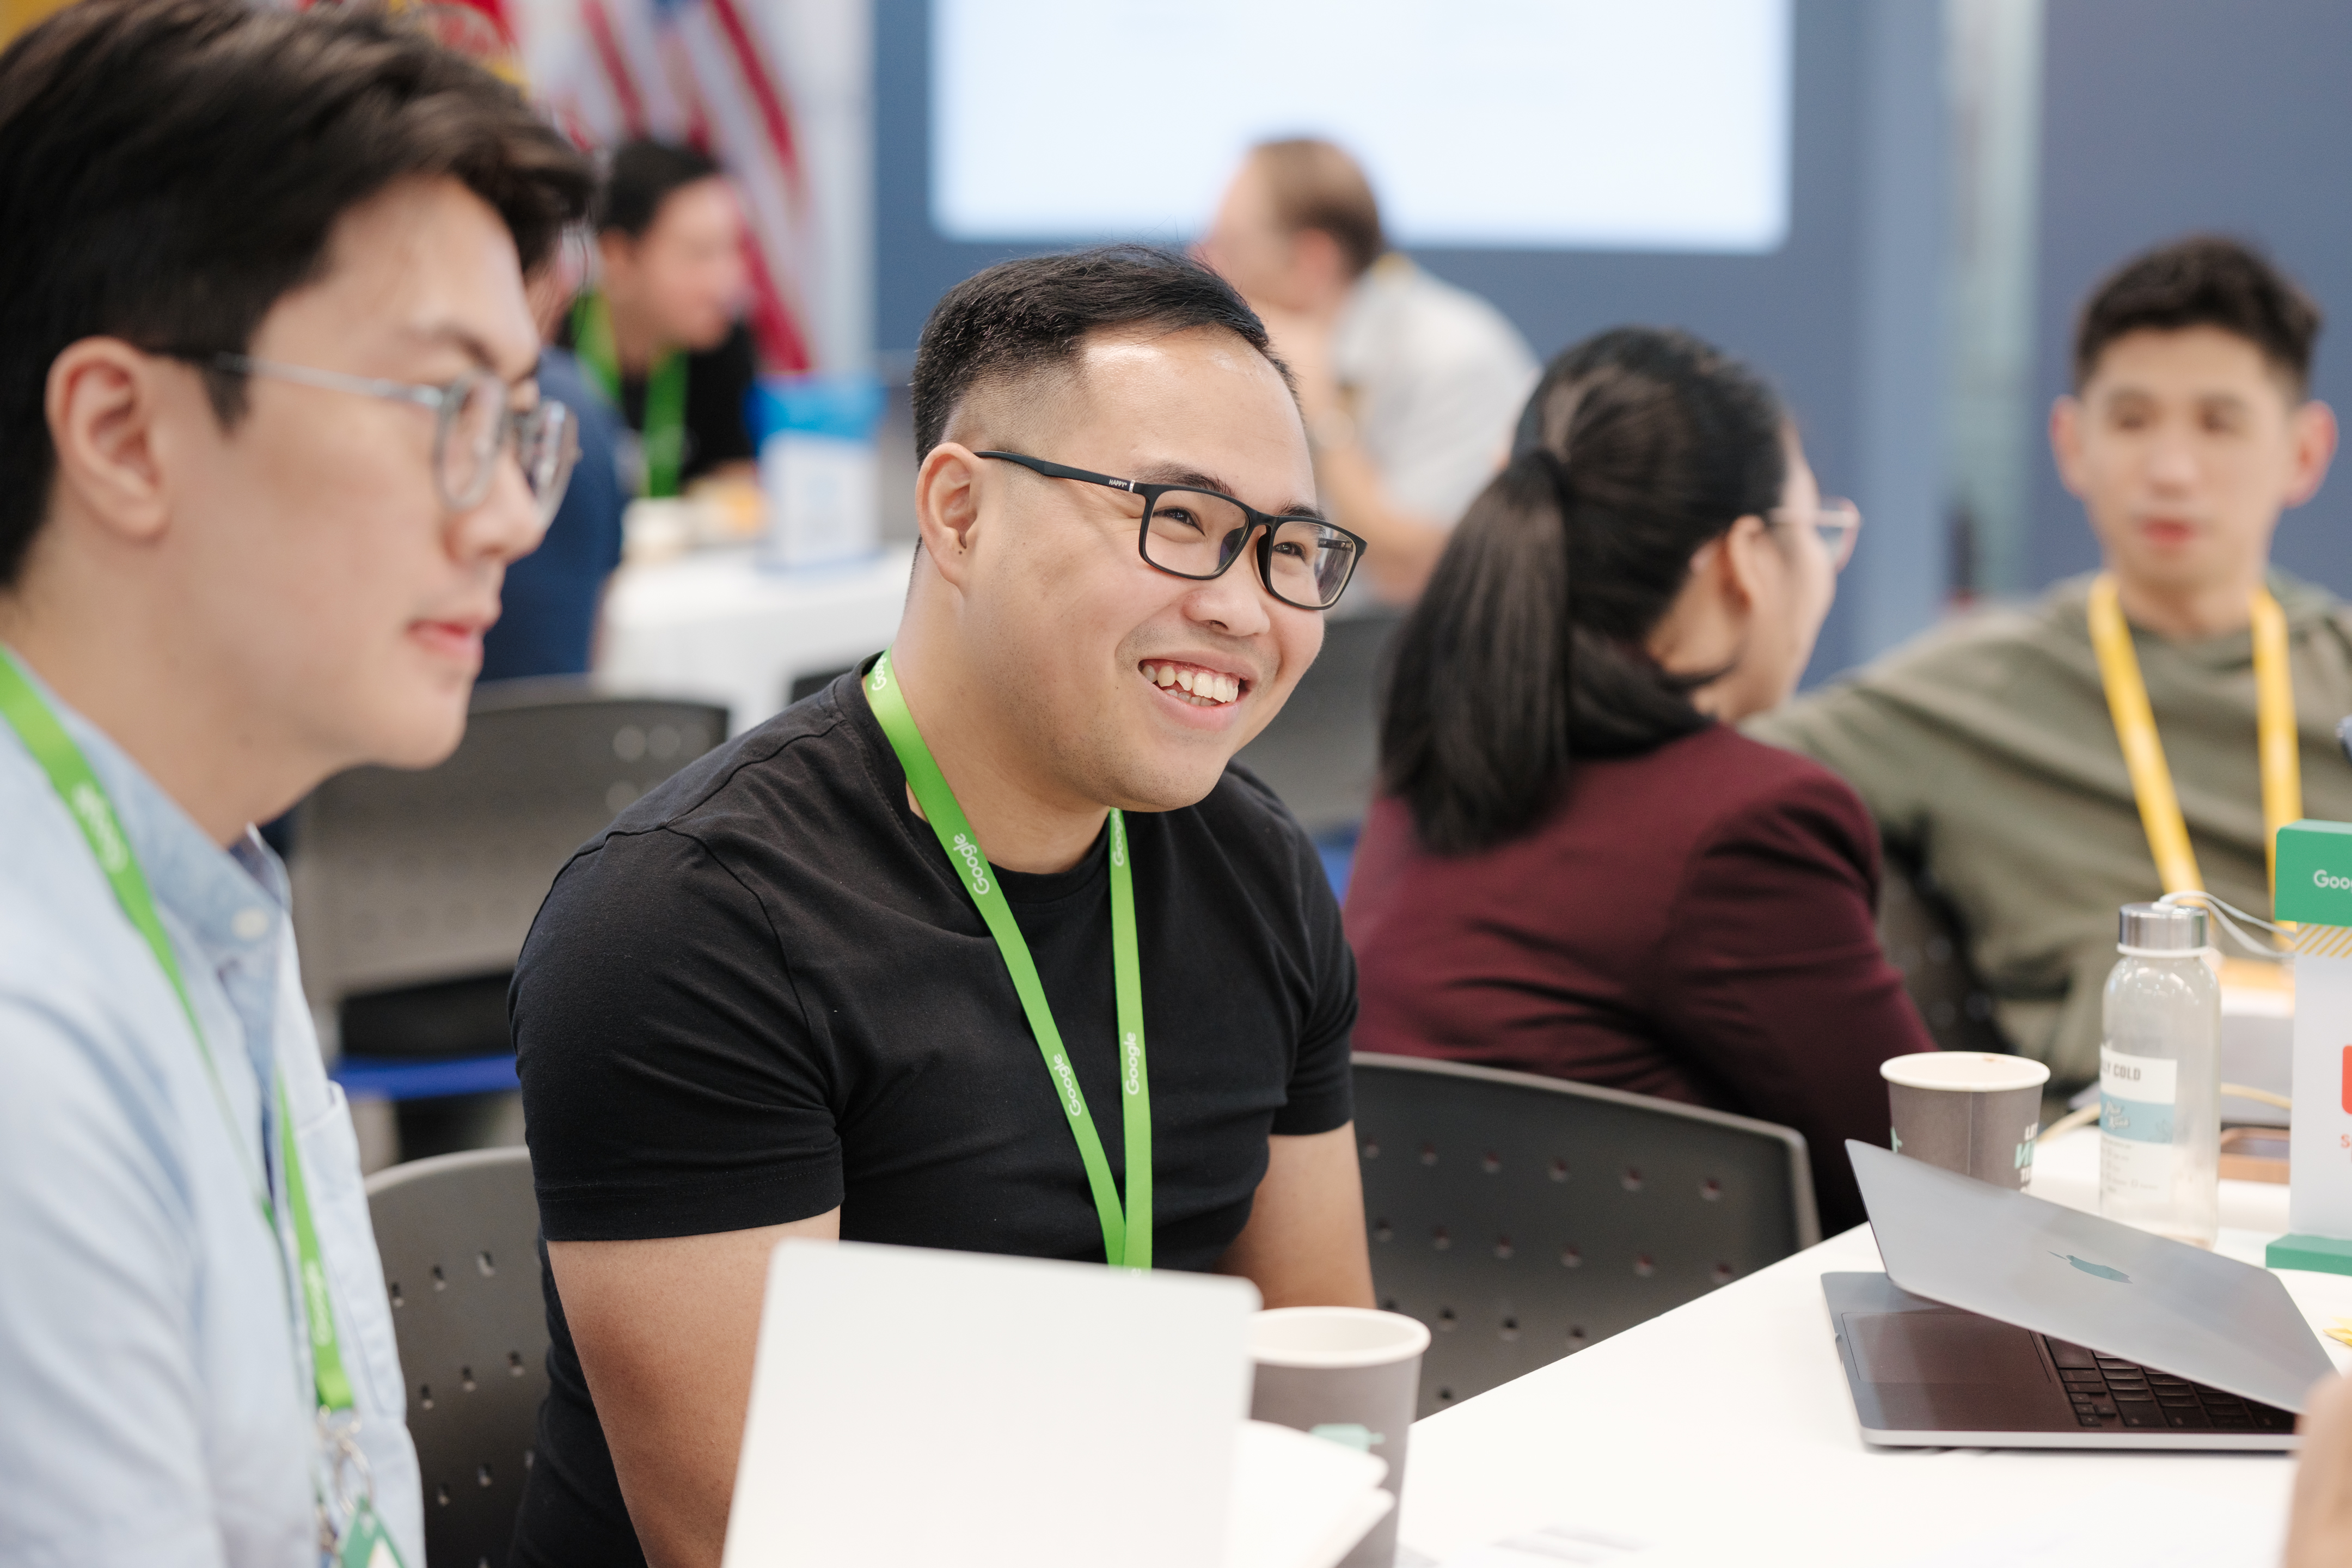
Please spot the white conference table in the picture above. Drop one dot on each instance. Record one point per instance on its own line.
(1722, 1433)
(715, 623)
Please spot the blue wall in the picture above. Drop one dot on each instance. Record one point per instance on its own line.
(1846, 316)
(2164, 116)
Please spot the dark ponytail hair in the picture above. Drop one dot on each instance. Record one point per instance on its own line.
(1638, 447)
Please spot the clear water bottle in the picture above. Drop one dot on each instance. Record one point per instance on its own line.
(2160, 1077)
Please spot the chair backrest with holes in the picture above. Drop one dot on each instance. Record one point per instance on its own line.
(1523, 1218)
(459, 1238)
(406, 878)
(1924, 938)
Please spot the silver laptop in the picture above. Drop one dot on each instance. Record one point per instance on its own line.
(2004, 1320)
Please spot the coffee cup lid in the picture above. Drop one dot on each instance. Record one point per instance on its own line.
(1969, 1072)
(1334, 1337)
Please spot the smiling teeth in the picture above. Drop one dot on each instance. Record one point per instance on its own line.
(1200, 687)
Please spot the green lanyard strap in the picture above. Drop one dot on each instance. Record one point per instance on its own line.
(1127, 1239)
(662, 439)
(326, 1355)
(76, 784)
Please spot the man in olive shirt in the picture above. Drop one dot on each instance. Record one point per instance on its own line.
(1986, 748)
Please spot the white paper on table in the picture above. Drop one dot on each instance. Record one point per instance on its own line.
(2131, 1525)
(1551, 1546)
(1300, 1501)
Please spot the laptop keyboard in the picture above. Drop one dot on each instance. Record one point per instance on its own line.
(2112, 1393)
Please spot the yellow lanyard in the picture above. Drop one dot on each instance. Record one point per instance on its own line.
(2159, 807)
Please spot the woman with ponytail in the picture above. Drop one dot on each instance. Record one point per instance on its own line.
(1578, 866)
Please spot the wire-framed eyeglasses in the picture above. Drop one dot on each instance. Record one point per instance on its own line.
(475, 419)
(1195, 533)
(1836, 521)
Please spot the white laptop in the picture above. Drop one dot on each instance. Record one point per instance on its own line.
(912, 1408)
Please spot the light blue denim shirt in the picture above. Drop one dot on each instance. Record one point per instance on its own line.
(156, 1404)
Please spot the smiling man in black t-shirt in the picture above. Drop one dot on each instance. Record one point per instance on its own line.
(767, 1002)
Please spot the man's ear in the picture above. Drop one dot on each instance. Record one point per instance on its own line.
(946, 507)
(2066, 441)
(103, 401)
(2313, 434)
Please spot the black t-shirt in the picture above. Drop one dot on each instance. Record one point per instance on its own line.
(762, 993)
(718, 386)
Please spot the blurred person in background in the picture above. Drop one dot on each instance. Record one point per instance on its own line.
(660, 333)
(1409, 385)
(1579, 867)
(1989, 749)
(553, 597)
(268, 434)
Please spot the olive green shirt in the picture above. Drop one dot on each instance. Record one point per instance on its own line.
(1986, 751)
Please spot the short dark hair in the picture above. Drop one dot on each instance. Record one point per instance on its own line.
(1314, 184)
(1527, 647)
(1019, 318)
(2204, 280)
(170, 169)
(642, 175)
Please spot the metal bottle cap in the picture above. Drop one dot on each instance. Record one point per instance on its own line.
(2172, 928)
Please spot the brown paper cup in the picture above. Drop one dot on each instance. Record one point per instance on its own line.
(1347, 1373)
(1976, 1112)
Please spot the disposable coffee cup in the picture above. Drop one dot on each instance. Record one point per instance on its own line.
(1976, 1112)
(1347, 1373)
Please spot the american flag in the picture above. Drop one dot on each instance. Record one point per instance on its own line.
(699, 72)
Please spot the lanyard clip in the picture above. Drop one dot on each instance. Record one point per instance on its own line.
(351, 1485)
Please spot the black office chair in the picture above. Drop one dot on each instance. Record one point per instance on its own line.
(412, 891)
(1523, 1218)
(459, 1238)
(1923, 937)
(1321, 752)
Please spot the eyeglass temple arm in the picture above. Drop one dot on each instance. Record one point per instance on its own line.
(1062, 471)
(332, 381)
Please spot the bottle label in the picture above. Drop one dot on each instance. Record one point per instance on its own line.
(2135, 1101)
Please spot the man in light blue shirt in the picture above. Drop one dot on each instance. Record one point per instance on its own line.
(155, 1403)
(268, 438)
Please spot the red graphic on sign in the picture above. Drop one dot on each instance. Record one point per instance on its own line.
(2348, 1080)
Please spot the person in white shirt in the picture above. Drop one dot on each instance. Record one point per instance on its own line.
(268, 435)
(1409, 385)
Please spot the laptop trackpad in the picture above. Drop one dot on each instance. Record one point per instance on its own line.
(1943, 1347)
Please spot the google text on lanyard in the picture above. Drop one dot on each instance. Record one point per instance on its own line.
(1127, 1238)
(360, 1541)
(2151, 778)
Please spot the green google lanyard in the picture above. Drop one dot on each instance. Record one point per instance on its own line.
(364, 1543)
(664, 436)
(1127, 1238)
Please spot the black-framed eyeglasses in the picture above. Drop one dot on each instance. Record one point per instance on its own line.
(1190, 533)
(474, 420)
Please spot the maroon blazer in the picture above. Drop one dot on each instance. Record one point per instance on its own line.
(1692, 923)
